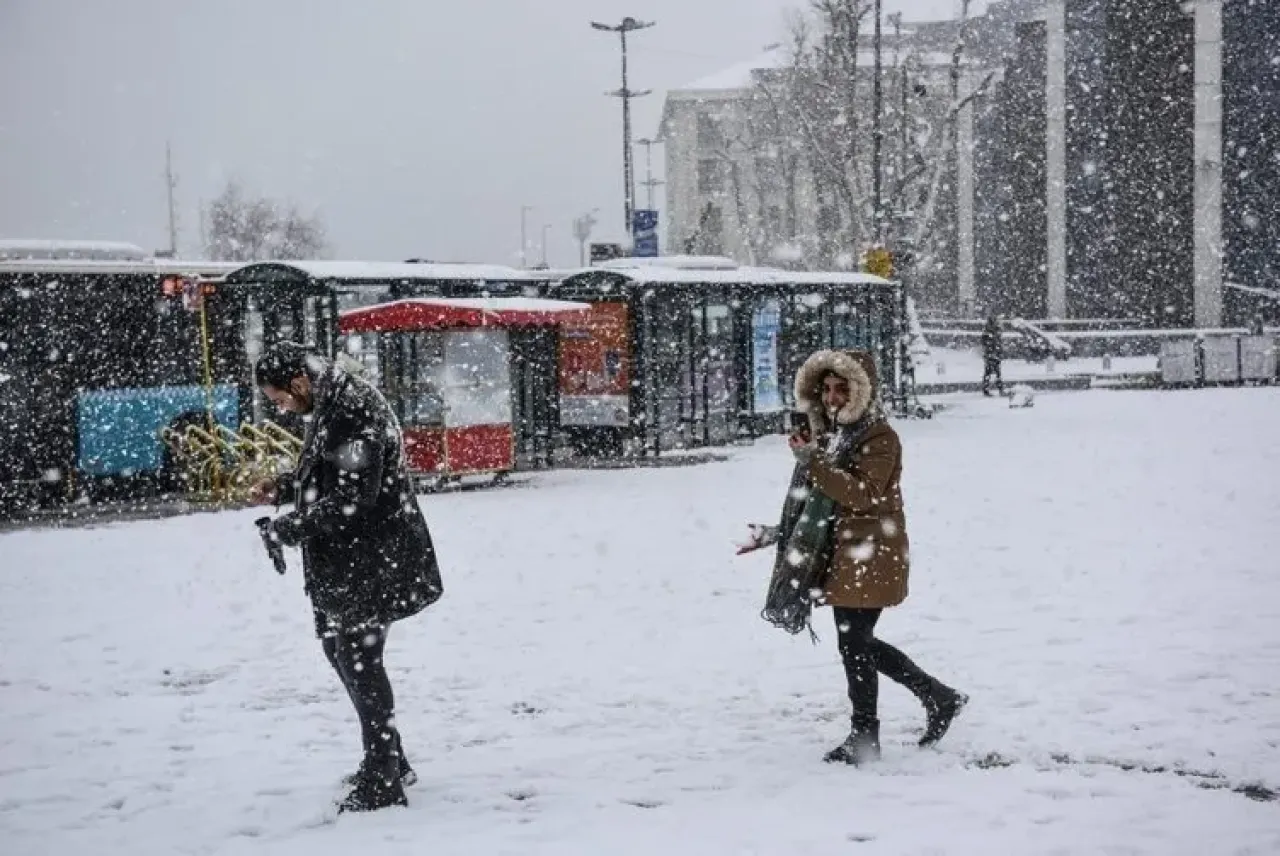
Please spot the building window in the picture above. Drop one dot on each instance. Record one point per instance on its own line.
(773, 222)
(766, 172)
(709, 136)
(710, 175)
(708, 240)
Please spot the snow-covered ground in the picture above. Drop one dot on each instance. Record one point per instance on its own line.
(955, 365)
(1101, 572)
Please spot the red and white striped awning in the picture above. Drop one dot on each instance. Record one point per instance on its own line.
(417, 314)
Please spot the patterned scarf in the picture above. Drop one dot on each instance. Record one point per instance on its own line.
(805, 539)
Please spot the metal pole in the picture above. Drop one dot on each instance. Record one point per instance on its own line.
(170, 184)
(628, 169)
(545, 227)
(877, 134)
(648, 173)
(524, 239)
(629, 188)
(901, 63)
(649, 181)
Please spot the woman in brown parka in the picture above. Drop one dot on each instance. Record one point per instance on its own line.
(854, 457)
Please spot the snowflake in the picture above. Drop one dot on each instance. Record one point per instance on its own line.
(864, 552)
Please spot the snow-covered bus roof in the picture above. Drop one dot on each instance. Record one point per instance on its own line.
(678, 262)
(38, 249)
(142, 267)
(357, 271)
(653, 274)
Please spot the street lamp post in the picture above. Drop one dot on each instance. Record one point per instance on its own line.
(545, 227)
(877, 133)
(582, 231)
(524, 235)
(649, 181)
(627, 25)
(900, 161)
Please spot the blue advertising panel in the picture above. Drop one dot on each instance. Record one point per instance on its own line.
(645, 232)
(766, 324)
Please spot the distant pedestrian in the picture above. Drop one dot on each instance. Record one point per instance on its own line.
(992, 356)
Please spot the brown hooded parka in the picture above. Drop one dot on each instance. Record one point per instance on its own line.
(869, 562)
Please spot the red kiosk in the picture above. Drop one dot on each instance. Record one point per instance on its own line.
(445, 364)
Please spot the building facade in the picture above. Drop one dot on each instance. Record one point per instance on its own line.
(743, 185)
(1124, 162)
(1250, 197)
(1130, 154)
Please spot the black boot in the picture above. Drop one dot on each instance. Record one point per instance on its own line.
(408, 778)
(862, 746)
(941, 706)
(374, 788)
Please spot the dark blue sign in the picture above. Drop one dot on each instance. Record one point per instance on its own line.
(644, 231)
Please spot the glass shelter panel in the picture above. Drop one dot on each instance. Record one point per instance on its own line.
(477, 378)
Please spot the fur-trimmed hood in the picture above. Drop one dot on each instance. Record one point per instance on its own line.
(858, 368)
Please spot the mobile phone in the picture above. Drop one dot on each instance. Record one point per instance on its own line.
(800, 423)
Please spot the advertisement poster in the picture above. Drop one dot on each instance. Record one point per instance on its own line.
(645, 233)
(765, 327)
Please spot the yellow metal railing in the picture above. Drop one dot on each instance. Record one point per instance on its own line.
(220, 466)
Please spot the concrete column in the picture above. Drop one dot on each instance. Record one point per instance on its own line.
(964, 206)
(1208, 160)
(1056, 154)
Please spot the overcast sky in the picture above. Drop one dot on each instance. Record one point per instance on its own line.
(415, 127)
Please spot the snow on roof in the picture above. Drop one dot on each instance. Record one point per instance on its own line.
(676, 261)
(738, 76)
(142, 267)
(658, 275)
(435, 313)
(514, 304)
(395, 271)
(56, 249)
(742, 75)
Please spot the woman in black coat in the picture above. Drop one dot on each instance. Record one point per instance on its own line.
(368, 559)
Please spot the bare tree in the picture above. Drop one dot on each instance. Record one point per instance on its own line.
(817, 107)
(244, 229)
(944, 156)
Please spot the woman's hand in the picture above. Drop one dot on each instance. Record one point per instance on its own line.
(758, 536)
(802, 447)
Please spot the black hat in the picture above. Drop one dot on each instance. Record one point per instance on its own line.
(284, 362)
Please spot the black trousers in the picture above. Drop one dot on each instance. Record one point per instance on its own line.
(865, 657)
(356, 655)
(991, 369)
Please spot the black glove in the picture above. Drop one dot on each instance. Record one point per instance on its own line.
(272, 542)
(288, 529)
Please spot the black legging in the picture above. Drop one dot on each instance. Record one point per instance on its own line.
(356, 655)
(864, 656)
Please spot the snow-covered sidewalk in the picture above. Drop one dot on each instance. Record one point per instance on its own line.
(1099, 572)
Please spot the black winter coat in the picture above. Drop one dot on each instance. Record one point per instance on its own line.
(367, 551)
(992, 344)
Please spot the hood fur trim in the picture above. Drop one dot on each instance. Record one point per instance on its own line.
(846, 364)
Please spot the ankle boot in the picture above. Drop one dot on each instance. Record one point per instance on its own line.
(376, 786)
(862, 746)
(941, 706)
(408, 778)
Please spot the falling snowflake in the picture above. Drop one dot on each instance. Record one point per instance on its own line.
(864, 552)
